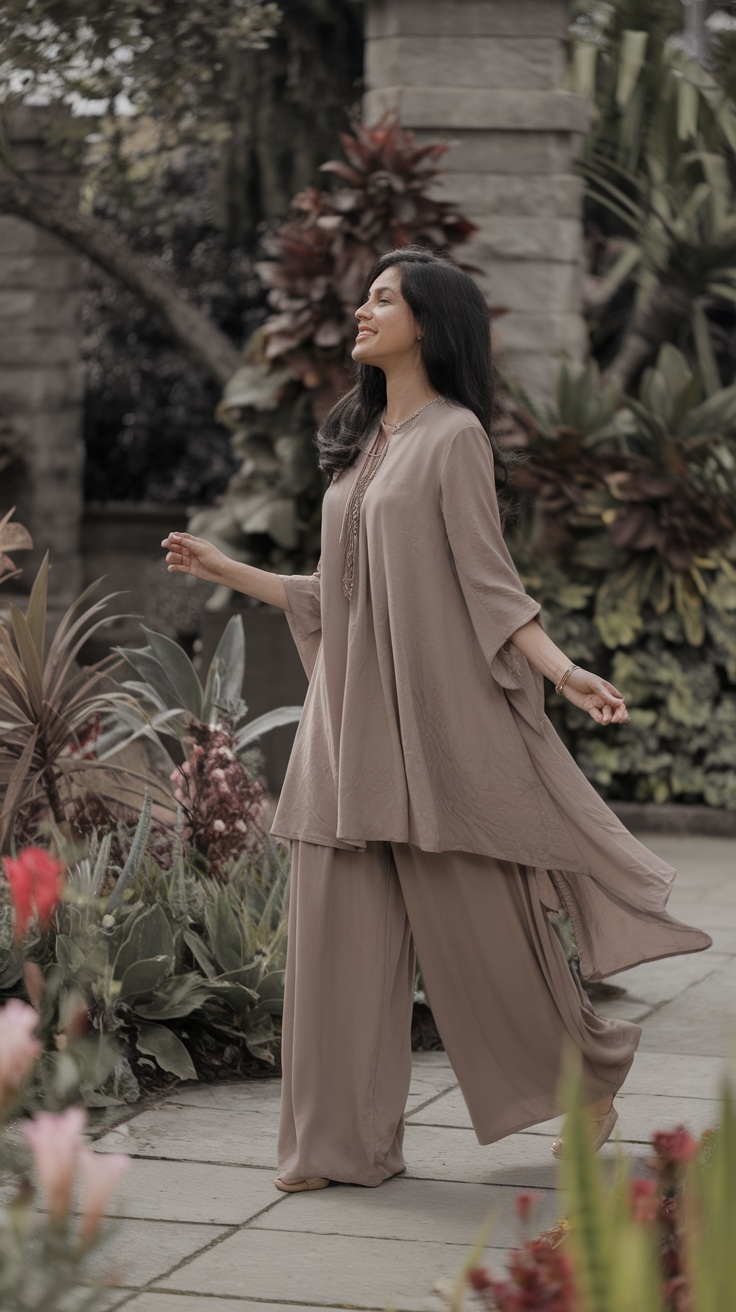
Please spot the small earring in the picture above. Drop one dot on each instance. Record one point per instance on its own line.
(419, 337)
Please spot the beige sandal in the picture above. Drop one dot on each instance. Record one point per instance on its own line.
(603, 1130)
(299, 1186)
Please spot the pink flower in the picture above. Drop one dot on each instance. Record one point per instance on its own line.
(35, 878)
(643, 1199)
(100, 1173)
(18, 1048)
(55, 1139)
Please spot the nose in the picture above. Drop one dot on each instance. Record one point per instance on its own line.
(362, 312)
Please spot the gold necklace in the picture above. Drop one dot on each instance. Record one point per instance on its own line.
(394, 427)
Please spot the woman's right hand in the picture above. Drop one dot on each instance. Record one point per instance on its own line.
(190, 555)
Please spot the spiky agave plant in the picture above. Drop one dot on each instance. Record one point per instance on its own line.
(46, 699)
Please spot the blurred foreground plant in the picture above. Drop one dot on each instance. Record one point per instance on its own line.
(45, 1250)
(627, 1245)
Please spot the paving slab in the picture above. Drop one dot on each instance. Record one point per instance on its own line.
(142, 1251)
(328, 1269)
(656, 982)
(409, 1209)
(193, 1191)
(639, 1115)
(162, 1301)
(196, 1134)
(701, 1021)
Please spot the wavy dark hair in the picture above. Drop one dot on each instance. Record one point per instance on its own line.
(455, 322)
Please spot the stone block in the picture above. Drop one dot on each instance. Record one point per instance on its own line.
(680, 1074)
(60, 311)
(478, 195)
(462, 62)
(529, 286)
(467, 18)
(449, 108)
(18, 237)
(53, 273)
(537, 373)
(30, 348)
(31, 122)
(520, 333)
(507, 152)
(41, 388)
(524, 238)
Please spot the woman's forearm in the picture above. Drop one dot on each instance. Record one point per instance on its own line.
(540, 650)
(258, 583)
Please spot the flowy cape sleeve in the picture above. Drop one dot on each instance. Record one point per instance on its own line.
(304, 614)
(494, 593)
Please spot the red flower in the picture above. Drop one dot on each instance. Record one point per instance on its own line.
(524, 1204)
(676, 1145)
(35, 879)
(479, 1278)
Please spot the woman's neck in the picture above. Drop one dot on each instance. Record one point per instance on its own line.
(405, 394)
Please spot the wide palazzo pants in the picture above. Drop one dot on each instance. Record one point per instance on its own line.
(505, 1001)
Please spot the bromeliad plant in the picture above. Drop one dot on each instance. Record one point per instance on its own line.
(166, 705)
(299, 362)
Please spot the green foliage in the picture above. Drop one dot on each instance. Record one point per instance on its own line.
(660, 206)
(298, 362)
(167, 696)
(166, 963)
(155, 54)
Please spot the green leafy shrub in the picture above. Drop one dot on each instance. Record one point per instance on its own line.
(166, 962)
(628, 541)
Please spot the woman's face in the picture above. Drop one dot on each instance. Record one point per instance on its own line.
(387, 329)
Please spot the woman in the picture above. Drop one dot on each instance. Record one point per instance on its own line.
(428, 800)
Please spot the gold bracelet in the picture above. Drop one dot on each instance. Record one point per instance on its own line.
(559, 686)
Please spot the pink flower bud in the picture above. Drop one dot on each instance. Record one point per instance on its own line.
(55, 1139)
(18, 1048)
(99, 1173)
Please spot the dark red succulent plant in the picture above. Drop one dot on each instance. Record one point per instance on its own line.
(318, 261)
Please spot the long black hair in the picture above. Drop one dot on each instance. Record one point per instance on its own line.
(455, 323)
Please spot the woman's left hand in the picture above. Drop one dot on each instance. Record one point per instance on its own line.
(596, 696)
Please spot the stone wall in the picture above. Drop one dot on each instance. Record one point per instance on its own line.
(41, 371)
(487, 75)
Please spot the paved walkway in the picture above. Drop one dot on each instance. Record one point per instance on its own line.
(205, 1230)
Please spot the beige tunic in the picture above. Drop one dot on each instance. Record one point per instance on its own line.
(423, 724)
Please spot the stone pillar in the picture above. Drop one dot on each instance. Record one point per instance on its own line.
(486, 74)
(41, 370)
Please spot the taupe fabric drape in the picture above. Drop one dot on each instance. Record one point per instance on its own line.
(424, 725)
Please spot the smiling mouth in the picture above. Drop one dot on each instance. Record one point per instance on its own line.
(365, 332)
